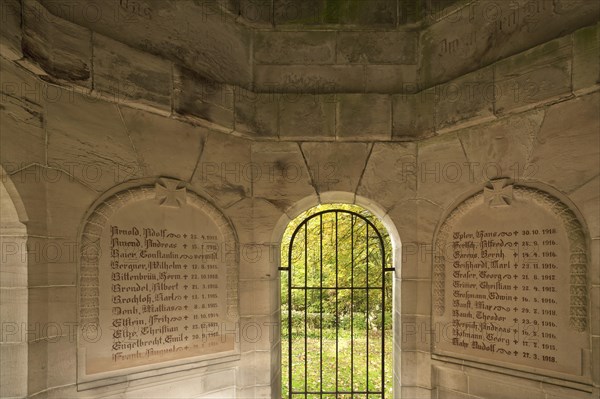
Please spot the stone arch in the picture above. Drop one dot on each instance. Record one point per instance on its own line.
(342, 197)
(13, 194)
(517, 244)
(162, 192)
(332, 197)
(14, 292)
(578, 255)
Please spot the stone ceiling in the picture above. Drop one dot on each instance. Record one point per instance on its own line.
(299, 44)
(247, 67)
(214, 37)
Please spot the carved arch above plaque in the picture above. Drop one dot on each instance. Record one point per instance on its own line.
(511, 254)
(500, 193)
(158, 280)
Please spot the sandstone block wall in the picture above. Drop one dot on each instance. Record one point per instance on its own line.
(404, 121)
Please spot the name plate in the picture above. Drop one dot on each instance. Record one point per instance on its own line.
(510, 281)
(158, 281)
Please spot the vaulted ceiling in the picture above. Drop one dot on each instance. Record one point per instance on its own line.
(294, 45)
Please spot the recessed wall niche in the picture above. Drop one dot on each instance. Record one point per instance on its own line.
(157, 285)
(510, 282)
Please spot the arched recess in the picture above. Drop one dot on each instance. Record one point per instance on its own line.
(158, 205)
(13, 292)
(333, 197)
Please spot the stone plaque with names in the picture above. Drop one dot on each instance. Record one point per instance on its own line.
(158, 281)
(510, 281)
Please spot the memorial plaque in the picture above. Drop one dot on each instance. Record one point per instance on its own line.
(158, 281)
(510, 281)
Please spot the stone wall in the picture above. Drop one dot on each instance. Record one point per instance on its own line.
(83, 114)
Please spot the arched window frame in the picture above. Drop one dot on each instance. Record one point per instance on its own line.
(278, 233)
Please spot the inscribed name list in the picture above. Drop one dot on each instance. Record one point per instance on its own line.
(162, 288)
(506, 289)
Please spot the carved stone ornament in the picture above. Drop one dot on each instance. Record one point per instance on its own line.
(501, 193)
(158, 264)
(510, 282)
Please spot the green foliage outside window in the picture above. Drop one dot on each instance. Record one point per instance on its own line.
(344, 251)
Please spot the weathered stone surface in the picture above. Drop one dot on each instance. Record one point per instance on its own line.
(390, 175)
(586, 52)
(411, 327)
(495, 389)
(415, 391)
(14, 241)
(466, 100)
(336, 166)
(390, 78)
(21, 127)
(275, 47)
(256, 114)
(62, 355)
(260, 339)
(442, 170)
(429, 215)
(567, 154)
(292, 12)
(586, 198)
(258, 261)
(10, 30)
(364, 116)
(309, 79)
(240, 214)
(37, 354)
(17, 81)
(196, 34)
(503, 210)
(224, 170)
(399, 47)
(13, 359)
(86, 137)
(416, 297)
(30, 183)
(537, 75)
(67, 200)
(352, 12)
(15, 312)
(62, 49)
(404, 216)
(554, 391)
(177, 219)
(596, 360)
(203, 98)
(447, 377)
(254, 298)
(595, 301)
(595, 251)
(502, 148)
(62, 305)
(283, 178)
(485, 32)
(165, 147)
(92, 135)
(265, 215)
(38, 312)
(131, 75)
(307, 116)
(254, 12)
(413, 115)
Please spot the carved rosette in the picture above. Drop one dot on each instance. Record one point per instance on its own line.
(498, 193)
(167, 192)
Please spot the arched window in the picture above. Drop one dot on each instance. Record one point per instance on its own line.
(336, 305)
